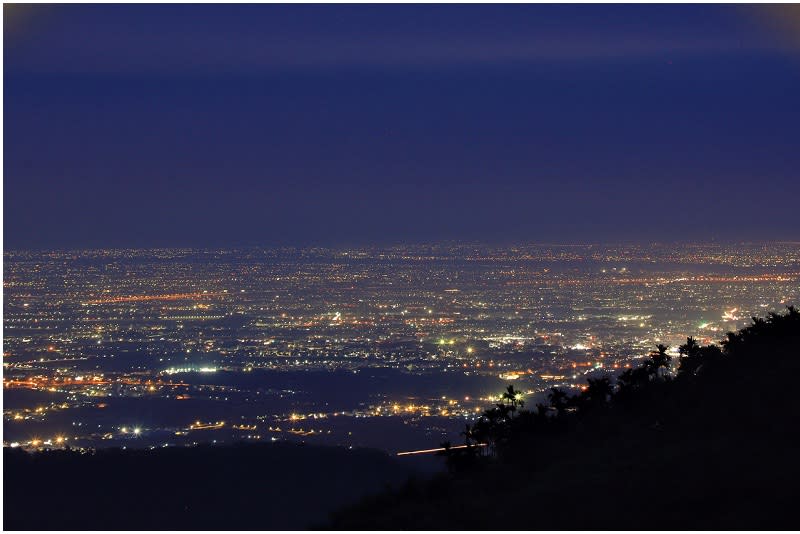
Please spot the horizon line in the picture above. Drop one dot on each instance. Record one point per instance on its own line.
(409, 245)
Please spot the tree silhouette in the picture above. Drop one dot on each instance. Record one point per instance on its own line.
(599, 391)
(694, 358)
(688, 356)
(647, 396)
(658, 360)
(632, 379)
(558, 399)
(689, 349)
(514, 398)
(467, 433)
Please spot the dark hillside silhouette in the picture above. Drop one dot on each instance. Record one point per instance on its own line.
(247, 487)
(709, 446)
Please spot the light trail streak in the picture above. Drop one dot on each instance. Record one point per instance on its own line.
(428, 451)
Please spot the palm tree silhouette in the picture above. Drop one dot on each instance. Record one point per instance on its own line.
(689, 349)
(658, 360)
(514, 398)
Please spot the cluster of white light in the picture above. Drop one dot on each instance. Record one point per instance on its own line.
(173, 370)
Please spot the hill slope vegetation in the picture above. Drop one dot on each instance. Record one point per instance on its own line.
(707, 442)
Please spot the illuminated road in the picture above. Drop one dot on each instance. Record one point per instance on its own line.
(144, 298)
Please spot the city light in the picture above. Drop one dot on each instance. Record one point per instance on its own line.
(165, 342)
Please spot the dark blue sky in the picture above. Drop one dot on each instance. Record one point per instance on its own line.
(153, 125)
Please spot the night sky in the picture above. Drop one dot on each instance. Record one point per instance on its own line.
(156, 125)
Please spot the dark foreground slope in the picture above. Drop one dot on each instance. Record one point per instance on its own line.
(250, 487)
(715, 447)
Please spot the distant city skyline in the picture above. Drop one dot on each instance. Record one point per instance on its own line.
(271, 125)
